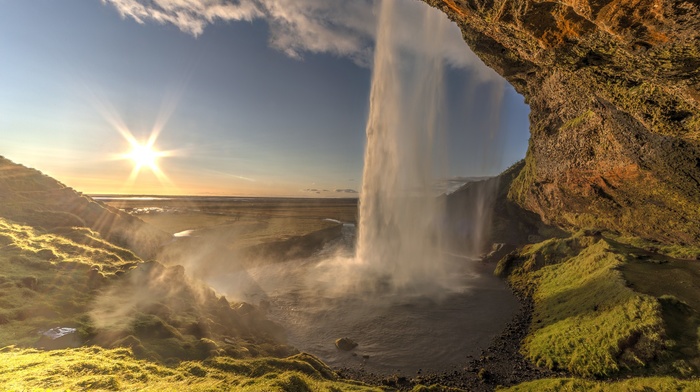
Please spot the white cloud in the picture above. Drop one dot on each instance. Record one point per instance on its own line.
(338, 27)
(190, 16)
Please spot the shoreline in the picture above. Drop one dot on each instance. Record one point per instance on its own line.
(500, 364)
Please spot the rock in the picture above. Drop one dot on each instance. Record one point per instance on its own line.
(483, 374)
(58, 338)
(614, 94)
(345, 344)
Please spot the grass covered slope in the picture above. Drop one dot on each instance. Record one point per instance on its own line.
(656, 384)
(588, 318)
(48, 279)
(72, 278)
(94, 368)
(27, 196)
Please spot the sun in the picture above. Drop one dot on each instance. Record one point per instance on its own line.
(142, 153)
(144, 156)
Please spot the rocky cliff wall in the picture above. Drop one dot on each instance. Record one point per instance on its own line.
(614, 93)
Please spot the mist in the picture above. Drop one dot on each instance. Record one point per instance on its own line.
(406, 265)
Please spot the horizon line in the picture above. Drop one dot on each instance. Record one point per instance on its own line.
(98, 195)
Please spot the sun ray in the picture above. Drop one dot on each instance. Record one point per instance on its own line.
(142, 152)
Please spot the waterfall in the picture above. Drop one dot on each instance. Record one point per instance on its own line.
(400, 233)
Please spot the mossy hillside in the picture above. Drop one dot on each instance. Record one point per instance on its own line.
(71, 277)
(586, 320)
(686, 252)
(29, 197)
(674, 282)
(94, 368)
(656, 384)
(48, 280)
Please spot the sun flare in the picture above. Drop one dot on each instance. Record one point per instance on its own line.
(144, 155)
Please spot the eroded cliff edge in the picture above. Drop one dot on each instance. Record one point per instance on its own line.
(614, 93)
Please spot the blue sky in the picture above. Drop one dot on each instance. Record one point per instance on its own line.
(261, 97)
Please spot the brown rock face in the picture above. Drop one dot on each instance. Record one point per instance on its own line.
(614, 93)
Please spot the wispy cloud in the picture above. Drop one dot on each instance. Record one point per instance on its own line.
(190, 16)
(339, 27)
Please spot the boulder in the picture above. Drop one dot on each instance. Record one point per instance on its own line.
(345, 344)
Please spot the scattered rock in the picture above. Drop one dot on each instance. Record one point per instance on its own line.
(345, 344)
(58, 338)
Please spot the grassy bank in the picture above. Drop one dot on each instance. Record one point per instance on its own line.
(70, 277)
(607, 309)
(656, 384)
(94, 368)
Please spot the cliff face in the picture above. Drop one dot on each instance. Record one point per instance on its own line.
(614, 93)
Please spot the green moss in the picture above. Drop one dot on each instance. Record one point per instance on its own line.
(687, 252)
(657, 384)
(94, 368)
(575, 122)
(521, 184)
(586, 320)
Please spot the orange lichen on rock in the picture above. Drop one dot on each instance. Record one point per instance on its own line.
(569, 26)
(625, 18)
(451, 4)
(588, 182)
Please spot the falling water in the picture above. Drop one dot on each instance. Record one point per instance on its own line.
(428, 309)
(400, 217)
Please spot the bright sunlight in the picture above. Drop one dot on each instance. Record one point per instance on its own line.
(144, 155)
